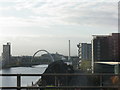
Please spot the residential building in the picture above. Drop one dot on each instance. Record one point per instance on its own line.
(100, 48)
(6, 55)
(84, 51)
(106, 47)
(115, 46)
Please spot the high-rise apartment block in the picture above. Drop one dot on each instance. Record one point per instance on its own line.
(6, 55)
(106, 48)
(84, 51)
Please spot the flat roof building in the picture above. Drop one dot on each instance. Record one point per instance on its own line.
(106, 48)
(6, 55)
(85, 51)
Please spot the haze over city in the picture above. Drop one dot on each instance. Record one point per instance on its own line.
(31, 25)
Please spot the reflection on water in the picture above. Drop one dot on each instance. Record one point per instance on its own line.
(26, 81)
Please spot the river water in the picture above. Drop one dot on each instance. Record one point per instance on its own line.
(25, 81)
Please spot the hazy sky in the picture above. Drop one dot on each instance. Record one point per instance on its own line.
(31, 25)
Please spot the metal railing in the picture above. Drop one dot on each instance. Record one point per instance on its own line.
(100, 86)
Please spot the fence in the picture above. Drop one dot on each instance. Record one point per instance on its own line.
(100, 86)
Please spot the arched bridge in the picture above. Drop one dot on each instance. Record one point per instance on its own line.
(44, 51)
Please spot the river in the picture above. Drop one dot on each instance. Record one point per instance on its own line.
(25, 81)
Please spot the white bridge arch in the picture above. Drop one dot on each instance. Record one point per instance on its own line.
(44, 51)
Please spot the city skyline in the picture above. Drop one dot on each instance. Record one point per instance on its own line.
(32, 25)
